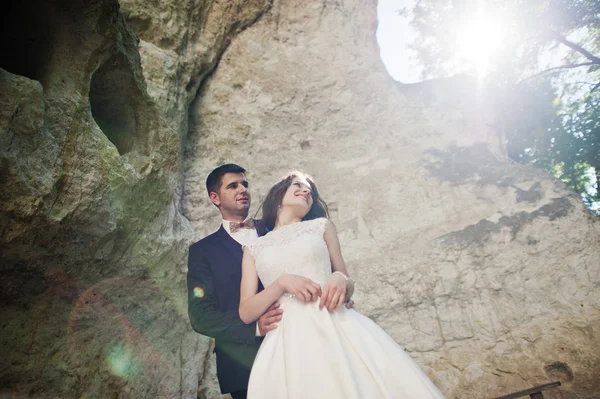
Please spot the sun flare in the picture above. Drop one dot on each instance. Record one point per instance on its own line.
(478, 42)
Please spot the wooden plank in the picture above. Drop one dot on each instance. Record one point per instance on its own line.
(531, 391)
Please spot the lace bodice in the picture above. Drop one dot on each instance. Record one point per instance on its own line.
(297, 248)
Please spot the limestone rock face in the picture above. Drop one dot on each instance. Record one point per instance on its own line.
(111, 116)
(485, 271)
(182, 41)
(93, 246)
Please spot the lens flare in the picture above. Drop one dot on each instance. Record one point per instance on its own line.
(122, 362)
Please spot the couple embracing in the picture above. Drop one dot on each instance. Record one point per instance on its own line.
(275, 295)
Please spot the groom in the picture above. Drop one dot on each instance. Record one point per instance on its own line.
(214, 277)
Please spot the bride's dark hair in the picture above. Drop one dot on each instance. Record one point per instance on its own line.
(271, 203)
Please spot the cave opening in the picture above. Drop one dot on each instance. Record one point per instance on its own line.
(28, 30)
(113, 99)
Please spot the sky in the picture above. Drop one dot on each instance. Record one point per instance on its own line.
(393, 36)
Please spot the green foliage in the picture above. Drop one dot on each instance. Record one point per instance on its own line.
(577, 145)
(544, 62)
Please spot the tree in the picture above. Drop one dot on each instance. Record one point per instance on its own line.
(544, 57)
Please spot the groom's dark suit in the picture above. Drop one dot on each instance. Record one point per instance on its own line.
(214, 277)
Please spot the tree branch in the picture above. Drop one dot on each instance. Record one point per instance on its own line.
(561, 39)
(566, 66)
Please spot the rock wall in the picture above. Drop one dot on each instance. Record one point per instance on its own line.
(111, 115)
(484, 270)
(93, 247)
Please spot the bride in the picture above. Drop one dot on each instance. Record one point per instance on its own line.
(320, 349)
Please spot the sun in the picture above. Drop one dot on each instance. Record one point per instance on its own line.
(478, 41)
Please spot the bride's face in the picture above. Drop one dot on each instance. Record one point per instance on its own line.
(298, 196)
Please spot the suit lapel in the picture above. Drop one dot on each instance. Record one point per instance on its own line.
(232, 247)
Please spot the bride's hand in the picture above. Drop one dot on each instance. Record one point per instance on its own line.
(334, 292)
(301, 287)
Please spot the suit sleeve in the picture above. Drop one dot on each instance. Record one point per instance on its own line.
(205, 316)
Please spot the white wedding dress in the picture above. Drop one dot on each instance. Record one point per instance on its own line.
(320, 354)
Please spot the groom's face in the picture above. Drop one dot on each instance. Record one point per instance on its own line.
(233, 198)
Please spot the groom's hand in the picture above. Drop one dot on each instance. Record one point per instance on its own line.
(268, 321)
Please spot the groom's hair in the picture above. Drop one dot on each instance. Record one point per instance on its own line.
(215, 178)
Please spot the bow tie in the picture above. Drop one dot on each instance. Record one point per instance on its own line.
(235, 226)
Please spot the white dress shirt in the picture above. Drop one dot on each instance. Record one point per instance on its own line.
(243, 236)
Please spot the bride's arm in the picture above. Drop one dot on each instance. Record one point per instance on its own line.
(335, 255)
(253, 304)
